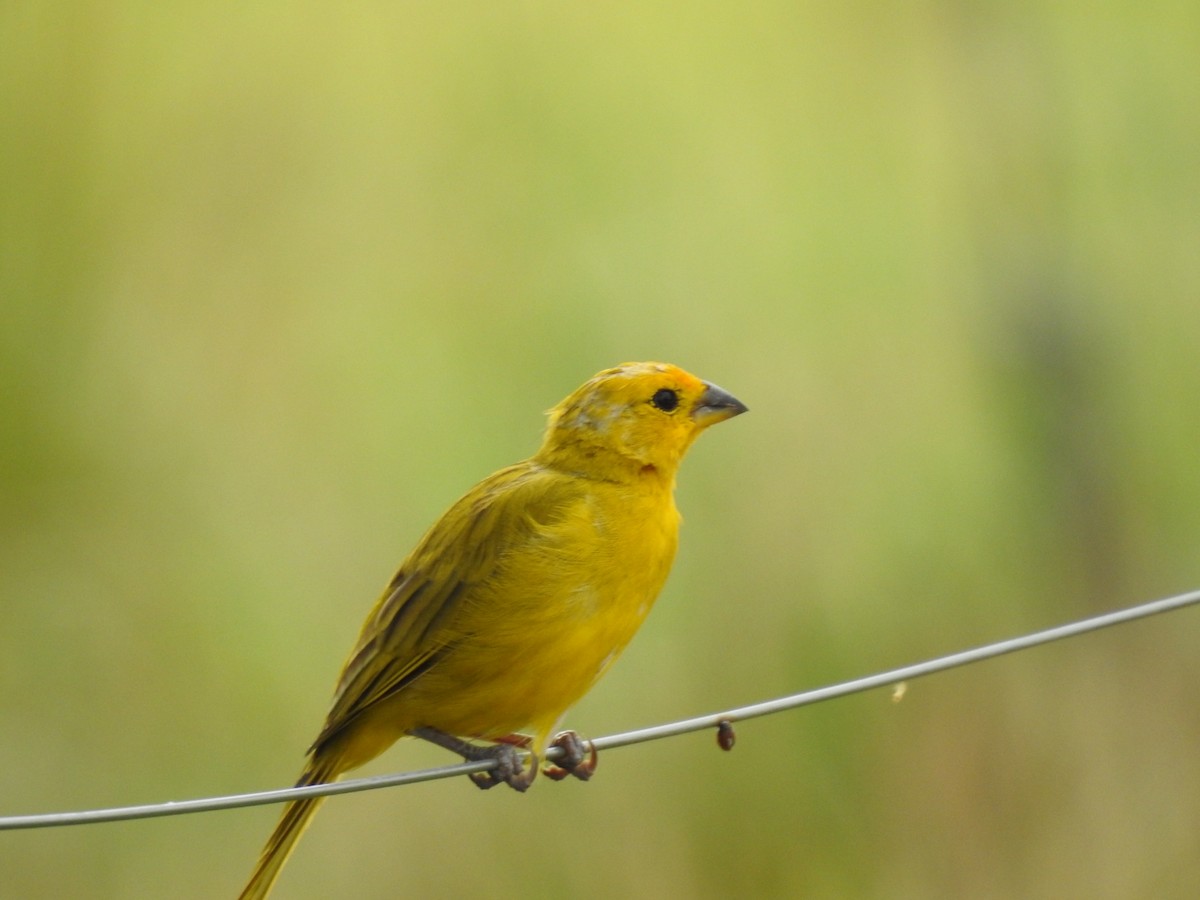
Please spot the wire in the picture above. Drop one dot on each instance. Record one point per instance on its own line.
(719, 720)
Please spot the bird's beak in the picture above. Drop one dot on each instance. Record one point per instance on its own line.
(715, 406)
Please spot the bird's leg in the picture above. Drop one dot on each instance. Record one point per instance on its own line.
(574, 759)
(508, 769)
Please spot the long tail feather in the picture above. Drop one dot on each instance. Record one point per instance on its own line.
(295, 818)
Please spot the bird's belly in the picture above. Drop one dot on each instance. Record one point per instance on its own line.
(525, 671)
(535, 637)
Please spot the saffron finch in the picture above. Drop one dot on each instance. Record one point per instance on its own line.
(521, 596)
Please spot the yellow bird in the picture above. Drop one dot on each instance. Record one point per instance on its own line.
(521, 596)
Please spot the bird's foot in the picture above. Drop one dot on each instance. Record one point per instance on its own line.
(508, 768)
(576, 757)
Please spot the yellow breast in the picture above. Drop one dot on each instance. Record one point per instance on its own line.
(557, 612)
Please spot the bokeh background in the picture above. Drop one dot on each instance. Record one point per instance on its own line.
(279, 282)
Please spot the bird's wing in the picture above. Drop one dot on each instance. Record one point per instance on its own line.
(414, 622)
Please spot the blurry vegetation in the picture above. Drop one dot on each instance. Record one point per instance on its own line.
(277, 284)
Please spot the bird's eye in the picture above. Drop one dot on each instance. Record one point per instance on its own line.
(665, 399)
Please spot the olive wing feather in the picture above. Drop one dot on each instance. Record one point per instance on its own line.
(416, 620)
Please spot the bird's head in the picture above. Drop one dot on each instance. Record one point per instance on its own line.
(636, 418)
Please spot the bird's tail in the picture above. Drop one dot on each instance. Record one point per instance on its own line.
(295, 818)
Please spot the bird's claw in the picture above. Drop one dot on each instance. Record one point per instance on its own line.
(574, 759)
(508, 769)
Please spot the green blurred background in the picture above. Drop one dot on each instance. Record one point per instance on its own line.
(279, 283)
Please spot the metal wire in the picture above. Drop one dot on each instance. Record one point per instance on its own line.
(713, 720)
